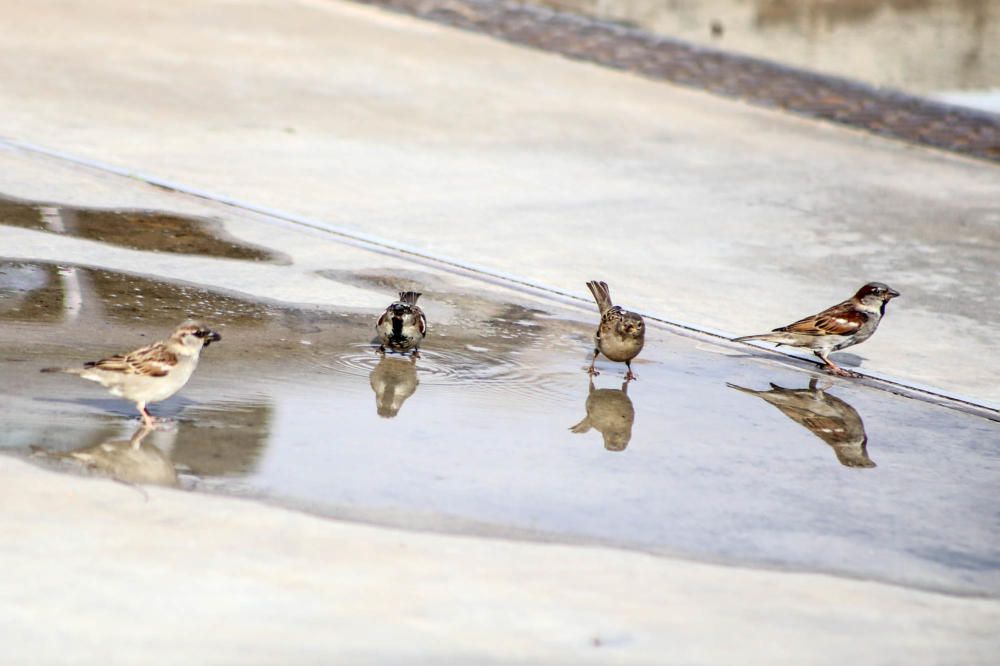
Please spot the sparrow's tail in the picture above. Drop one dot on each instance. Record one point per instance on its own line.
(759, 336)
(68, 371)
(743, 389)
(582, 426)
(409, 297)
(601, 294)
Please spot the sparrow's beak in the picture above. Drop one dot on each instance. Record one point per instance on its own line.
(893, 293)
(210, 337)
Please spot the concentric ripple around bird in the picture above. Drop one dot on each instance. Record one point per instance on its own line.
(479, 370)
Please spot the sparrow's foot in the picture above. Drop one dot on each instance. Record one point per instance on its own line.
(381, 350)
(840, 372)
(416, 354)
(592, 371)
(629, 376)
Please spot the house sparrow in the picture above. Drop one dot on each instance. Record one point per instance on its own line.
(126, 460)
(393, 380)
(621, 333)
(610, 411)
(402, 326)
(848, 323)
(829, 418)
(151, 373)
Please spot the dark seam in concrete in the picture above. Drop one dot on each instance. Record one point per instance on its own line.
(900, 387)
(763, 83)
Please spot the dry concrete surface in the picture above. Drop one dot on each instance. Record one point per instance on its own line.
(691, 206)
(102, 573)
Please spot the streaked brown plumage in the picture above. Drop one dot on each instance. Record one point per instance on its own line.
(151, 373)
(843, 325)
(403, 326)
(620, 335)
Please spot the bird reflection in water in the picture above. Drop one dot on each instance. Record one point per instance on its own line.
(611, 413)
(829, 418)
(127, 460)
(393, 380)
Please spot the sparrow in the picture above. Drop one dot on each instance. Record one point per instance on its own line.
(126, 460)
(843, 325)
(621, 333)
(151, 373)
(829, 418)
(403, 326)
(610, 411)
(393, 380)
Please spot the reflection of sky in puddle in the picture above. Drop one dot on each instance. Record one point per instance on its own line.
(921, 46)
(484, 444)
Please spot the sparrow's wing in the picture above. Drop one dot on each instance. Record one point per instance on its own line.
(381, 320)
(421, 320)
(842, 319)
(152, 361)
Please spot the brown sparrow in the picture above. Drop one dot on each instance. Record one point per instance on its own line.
(152, 373)
(621, 333)
(845, 324)
(393, 380)
(610, 411)
(402, 326)
(829, 418)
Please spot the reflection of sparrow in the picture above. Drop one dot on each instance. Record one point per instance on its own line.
(610, 411)
(621, 333)
(829, 418)
(128, 460)
(402, 326)
(393, 380)
(848, 323)
(152, 373)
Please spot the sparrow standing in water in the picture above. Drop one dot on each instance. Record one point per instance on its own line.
(845, 324)
(402, 326)
(826, 416)
(621, 333)
(151, 373)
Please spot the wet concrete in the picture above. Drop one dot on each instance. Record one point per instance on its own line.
(138, 230)
(483, 433)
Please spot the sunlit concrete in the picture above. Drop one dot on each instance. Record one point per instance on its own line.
(96, 573)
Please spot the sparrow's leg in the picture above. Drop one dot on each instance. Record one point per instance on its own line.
(629, 376)
(416, 354)
(147, 419)
(380, 350)
(834, 368)
(592, 371)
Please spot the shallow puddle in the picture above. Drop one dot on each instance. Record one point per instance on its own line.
(498, 430)
(133, 229)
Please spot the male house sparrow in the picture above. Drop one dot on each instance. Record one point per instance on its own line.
(621, 333)
(845, 324)
(828, 417)
(402, 326)
(152, 373)
(610, 411)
